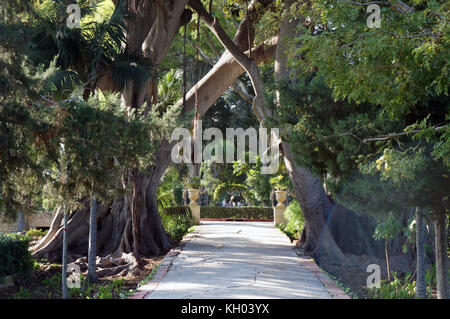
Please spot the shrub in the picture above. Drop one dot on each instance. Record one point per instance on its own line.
(236, 212)
(240, 188)
(108, 290)
(176, 221)
(35, 234)
(14, 255)
(23, 294)
(396, 289)
(177, 211)
(52, 283)
(295, 220)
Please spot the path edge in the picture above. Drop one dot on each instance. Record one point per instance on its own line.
(146, 289)
(309, 263)
(334, 290)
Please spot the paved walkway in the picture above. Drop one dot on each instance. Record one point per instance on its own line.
(237, 260)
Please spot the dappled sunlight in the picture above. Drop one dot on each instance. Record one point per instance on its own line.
(238, 260)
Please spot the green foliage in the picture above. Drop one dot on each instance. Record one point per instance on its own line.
(431, 280)
(23, 294)
(388, 229)
(370, 102)
(35, 234)
(231, 111)
(52, 283)
(81, 54)
(176, 226)
(20, 125)
(15, 259)
(295, 221)
(49, 100)
(394, 66)
(425, 177)
(257, 183)
(442, 148)
(98, 135)
(177, 211)
(51, 287)
(194, 183)
(377, 177)
(280, 182)
(396, 289)
(232, 187)
(404, 288)
(108, 290)
(176, 221)
(149, 277)
(170, 189)
(236, 212)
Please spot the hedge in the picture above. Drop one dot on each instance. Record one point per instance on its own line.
(177, 211)
(236, 212)
(14, 255)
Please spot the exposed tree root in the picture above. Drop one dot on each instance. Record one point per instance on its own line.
(127, 264)
(126, 225)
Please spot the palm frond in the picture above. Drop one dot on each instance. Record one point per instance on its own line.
(61, 81)
(165, 199)
(132, 69)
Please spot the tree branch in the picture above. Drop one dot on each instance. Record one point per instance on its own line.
(393, 135)
(237, 85)
(222, 76)
(249, 66)
(396, 5)
(369, 3)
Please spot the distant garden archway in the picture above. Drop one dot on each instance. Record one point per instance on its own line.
(241, 189)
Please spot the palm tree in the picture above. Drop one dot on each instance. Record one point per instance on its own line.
(83, 56)
(165, 193)
(80, 57)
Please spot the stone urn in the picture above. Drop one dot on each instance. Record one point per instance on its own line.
(281, 197)
(193, 194)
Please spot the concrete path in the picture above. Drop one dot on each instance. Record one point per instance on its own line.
(235, 260)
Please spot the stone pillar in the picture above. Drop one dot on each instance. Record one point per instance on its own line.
(278, 215)
(278, 211)
(195, 210)
(194, 206)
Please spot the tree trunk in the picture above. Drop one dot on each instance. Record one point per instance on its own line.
(309, 191)
(116, 235)
(92, 250)
(315, 206)
(420, 269)
(441, 257)
(64, 257)
(223, 75)
(131, 224)
(228, 69)
(388, 264)
(21, 222)
(54, 228)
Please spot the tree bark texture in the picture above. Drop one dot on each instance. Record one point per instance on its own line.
(131, 224)
(420, 259)
(92, 250)
(441, 256)
(316, 206)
